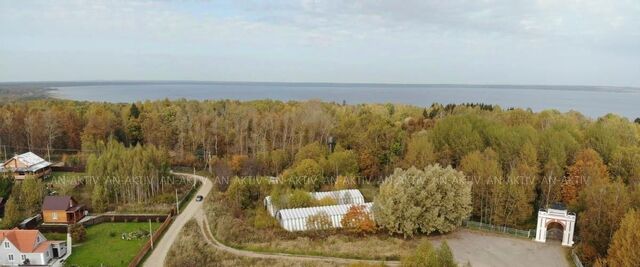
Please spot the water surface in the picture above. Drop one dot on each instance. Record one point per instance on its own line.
(591, 101)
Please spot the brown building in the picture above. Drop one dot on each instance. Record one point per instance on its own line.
(27, 164)
(61, 209)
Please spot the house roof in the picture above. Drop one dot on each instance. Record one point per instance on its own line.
(43, 246)
(57, 203)
(24, 240)
(31, 160)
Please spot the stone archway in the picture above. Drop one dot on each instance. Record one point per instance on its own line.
(555, 230)
(550, 222)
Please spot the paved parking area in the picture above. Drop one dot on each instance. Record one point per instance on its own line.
(488, 249)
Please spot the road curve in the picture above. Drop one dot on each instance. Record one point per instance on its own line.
(203, 222)
(195, 210)
(162, 248)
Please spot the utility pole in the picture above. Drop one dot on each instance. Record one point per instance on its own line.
(151, 233)
(177, 203)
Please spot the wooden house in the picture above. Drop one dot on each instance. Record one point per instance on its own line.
(27, 164)
(61, 210)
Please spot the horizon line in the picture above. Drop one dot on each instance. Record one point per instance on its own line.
(125, 81)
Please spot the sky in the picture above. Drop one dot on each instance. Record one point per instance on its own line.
(556, 42)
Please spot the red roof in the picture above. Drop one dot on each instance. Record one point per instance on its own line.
(24, 240)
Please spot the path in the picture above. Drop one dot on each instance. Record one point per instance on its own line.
(203, 222)
(162, 248)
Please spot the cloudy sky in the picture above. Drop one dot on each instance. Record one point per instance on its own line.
(577, 42)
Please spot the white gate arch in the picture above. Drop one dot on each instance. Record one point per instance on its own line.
(559, 215)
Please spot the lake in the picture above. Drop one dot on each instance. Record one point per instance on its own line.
(591, 101)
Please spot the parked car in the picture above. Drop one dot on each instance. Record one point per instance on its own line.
(199, 198)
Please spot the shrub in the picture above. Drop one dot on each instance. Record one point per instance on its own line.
(233, 230)
(425, 255)
(319, 221)
(358, 220)
(262, 219)
(325, 201)
(299, 199)
(78, 233)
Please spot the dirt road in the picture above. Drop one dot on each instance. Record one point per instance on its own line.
(162, 248)
(206, 231)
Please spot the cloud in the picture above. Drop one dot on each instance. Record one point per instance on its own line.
(503, 41)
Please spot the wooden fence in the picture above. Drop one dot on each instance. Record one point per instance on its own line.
(154, 239)
(137, 260)
(102, 218)
(124, 218)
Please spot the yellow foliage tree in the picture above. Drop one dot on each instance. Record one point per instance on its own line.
(623, 250)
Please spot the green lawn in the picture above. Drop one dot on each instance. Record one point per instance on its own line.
(100, 249)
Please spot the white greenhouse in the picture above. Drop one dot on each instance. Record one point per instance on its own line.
(296, 219)
(349, 196)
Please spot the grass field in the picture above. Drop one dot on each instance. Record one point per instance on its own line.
(103, 249)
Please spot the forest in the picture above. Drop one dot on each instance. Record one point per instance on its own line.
(517, 161)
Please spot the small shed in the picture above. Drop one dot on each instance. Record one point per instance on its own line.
(296, 219)
(348, 196)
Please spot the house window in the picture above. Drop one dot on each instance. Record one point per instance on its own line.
(6, 245)
(24, 258)
(10, 257)
(54, 215)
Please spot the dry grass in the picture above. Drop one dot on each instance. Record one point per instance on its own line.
(192, 250)
(340, 245)
(236, 228)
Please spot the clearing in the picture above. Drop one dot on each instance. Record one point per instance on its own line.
(489, 249)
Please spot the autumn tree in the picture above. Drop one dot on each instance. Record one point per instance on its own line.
(304, 174)
(345, 182)
(101, 124)
(99, 199)
(343, 162)
(420, 151)
(12, 213)
(32, 192)
(623, 250)
(483, 171)
(610, 132)
(603, 204)
(516, 194)
(456, 136)
(130, 175)
(588, 166)
(625, 164)
(412, 201)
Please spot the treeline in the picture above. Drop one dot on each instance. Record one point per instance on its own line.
(519, 161)
(126, 175)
